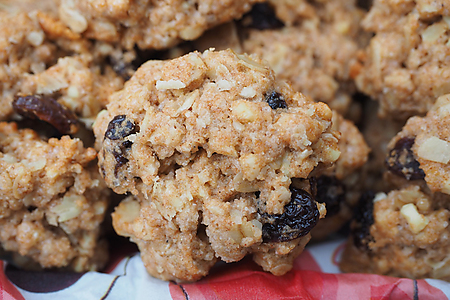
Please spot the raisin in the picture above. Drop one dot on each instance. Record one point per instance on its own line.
(127, 144)
(119, 155)
(275, 100)
(119, 127)
(263, 17)
(120, 161)
(299, 217)
(401, 161)
(363, 219)
(43, 129)
(331, 191)
(46, 109)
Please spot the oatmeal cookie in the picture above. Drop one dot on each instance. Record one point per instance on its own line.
(407, 232)
(403, 233)
(155, 24)
(41, 56)
(405, 67)
(316, 53)
(53, 200)
(338, 187)
(420, 152)
(207, 145)
(313, 46)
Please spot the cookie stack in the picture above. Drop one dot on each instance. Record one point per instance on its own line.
(230, 128)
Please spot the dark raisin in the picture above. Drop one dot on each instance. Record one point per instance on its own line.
(401, 160)
(127, 144)
(43, 129)
(363, 219)
(275, 100)
(46, 109)
(119, 153)
(119, 127)
(120, 161)
(299, 217)
(262, 17)
(331, 191)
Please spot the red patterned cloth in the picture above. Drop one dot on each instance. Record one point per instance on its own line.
(311, 278)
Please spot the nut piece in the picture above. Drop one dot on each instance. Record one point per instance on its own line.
(71, 17)
(417, 222)
(170, 84)
(69, 207)
(435, 149)
(434, 32)
(244, 111)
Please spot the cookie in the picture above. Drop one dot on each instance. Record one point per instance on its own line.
(53, 201)
(420, 151)
(208, 144)
(148, 24)
(405, 232)
(315, 48)
(405, 67)
(339, 187)
(311, 44)
(41, 56)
